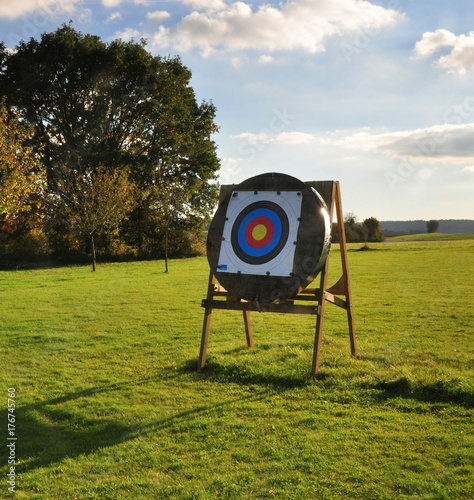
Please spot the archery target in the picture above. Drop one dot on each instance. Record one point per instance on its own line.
(260, 232)
(269, 237)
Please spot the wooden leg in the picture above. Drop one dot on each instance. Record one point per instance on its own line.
(317, 341)
(204, 339)
(350, 322)
(319, 320)
(345, 270)
(248, 328)
(206, 324)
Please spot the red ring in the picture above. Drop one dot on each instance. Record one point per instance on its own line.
(264, 221)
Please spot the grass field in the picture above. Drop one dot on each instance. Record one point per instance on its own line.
(433, 237)
(109, 406)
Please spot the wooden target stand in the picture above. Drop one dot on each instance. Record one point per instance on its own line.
(308, 301)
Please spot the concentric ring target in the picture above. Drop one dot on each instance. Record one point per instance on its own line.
(269, 237)
(260, 232)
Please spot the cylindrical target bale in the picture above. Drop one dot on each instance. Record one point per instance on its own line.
(269, 238)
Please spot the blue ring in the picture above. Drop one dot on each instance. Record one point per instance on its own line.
(277, 232)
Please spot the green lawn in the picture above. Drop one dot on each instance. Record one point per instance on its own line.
(433, 237)
(109, 405)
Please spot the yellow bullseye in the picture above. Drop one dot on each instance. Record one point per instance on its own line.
(259, 232)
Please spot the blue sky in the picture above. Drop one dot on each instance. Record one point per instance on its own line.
(377, 95)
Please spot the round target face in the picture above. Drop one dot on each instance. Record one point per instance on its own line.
(269, 237)
(260, 232)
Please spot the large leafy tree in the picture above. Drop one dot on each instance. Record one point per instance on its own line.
(115, 107)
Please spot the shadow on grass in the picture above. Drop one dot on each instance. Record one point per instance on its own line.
(438, 392)
(50, 433)
(243, 375)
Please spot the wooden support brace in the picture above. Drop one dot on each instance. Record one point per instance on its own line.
(282, 307)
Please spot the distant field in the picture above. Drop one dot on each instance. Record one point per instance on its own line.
(109, 405)
(432, 237)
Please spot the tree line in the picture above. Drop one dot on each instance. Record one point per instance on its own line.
(103, 148)
(368, 231)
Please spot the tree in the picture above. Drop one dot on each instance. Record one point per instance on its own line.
(369, 230)
(114, 107)
(95, 204)
(354, 232)
(166, 201)
(21, 174)
(373, 230)
(432, 226)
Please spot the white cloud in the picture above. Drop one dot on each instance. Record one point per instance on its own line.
(236, 62)
(266, 59)
(230, 169)
(158, 15)
(469, 169)
(277, 138)
(128, 34)
(293, 138)
(461, 57)
(431, 42)
(84, 15)
(116, 3)
(111, 3)
(51, 8)
(205, 4)
(115, 16)
(253, 138)
(442, 143)
(426, 173)
(302, 25)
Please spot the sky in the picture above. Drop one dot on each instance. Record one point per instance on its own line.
(378, 95)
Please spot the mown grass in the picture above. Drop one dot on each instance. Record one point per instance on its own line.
(110, 405)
